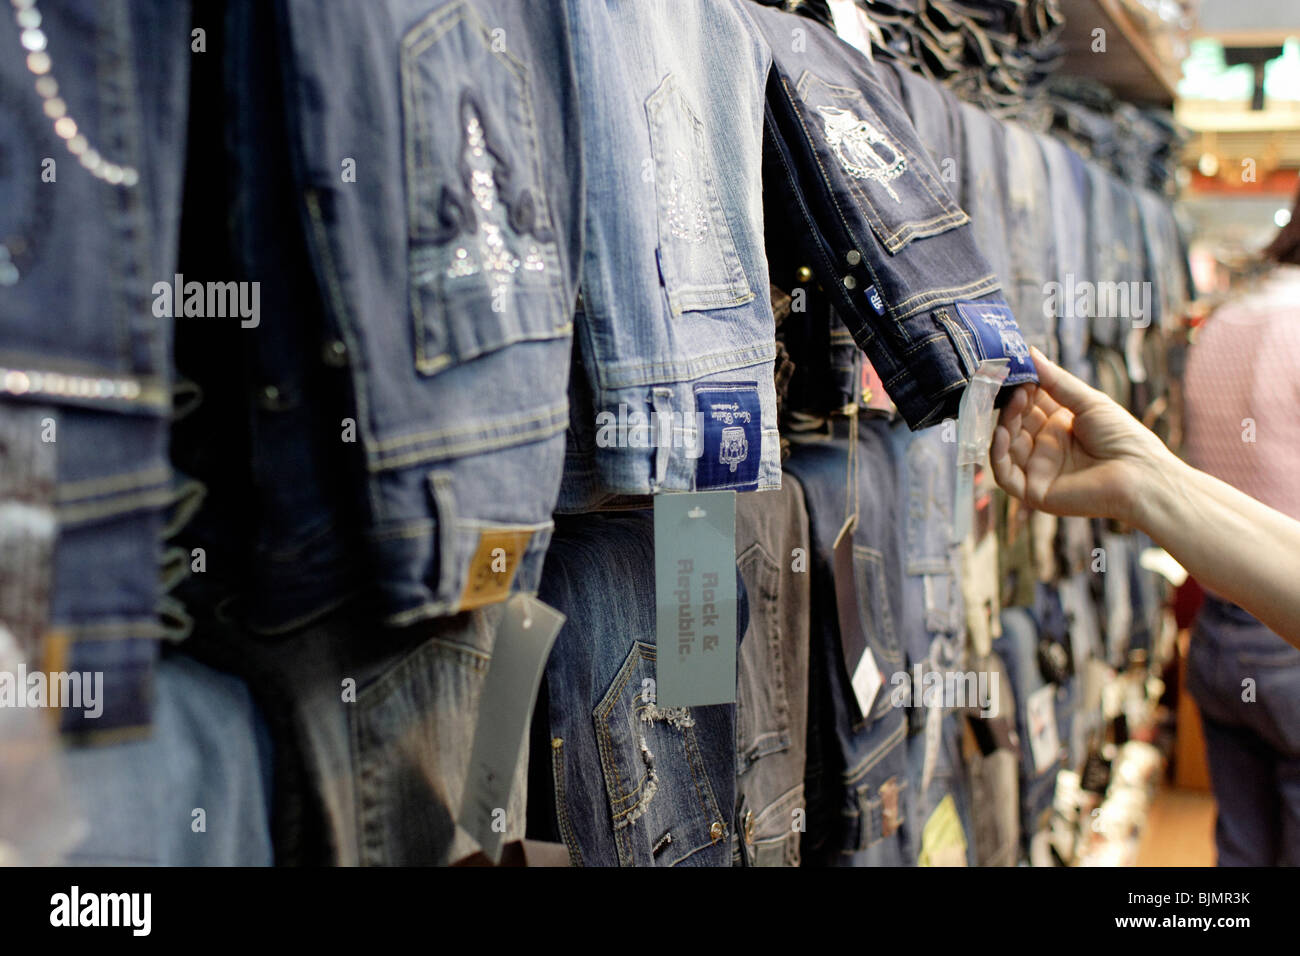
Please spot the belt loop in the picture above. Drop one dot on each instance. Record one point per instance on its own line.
(662, 400)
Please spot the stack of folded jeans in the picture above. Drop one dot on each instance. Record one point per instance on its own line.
(996, 53)
(1140, 146)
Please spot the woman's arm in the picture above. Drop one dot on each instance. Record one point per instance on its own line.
(1068, 449)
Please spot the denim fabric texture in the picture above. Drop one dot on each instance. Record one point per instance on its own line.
(444, 225)
(932, 623)
(1119, 255)
(261, 424)
(936, 114)
(1067, 183)
(857, 771)
(1019, 649)
(634, 784)
(674, 281)
(210, 751)
(1030, 236)
(372, 729)
(772, 677)
(846, 175)
(95, 240)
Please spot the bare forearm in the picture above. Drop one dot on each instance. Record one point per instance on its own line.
(1240, 549)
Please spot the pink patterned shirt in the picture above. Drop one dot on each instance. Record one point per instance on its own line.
(1243, 393)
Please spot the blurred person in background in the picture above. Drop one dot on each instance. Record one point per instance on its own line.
(1242, 391)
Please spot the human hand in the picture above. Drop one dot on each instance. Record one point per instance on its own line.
(1068, 449)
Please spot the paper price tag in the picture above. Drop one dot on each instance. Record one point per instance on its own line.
(695, 598)
(933, 737)
(852, 641)
(867, 681)
(1043, 739)
(527, 630)
(943, 841)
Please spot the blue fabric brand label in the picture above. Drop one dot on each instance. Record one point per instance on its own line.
(998, 336)
(731, 420)
(874, 297)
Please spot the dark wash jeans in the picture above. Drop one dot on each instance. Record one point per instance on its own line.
(846, 176)
(1253, 746)
(633, 784)
(444, 225)
(772, 677)
(94, 240)
(372, 728)
(857, 773)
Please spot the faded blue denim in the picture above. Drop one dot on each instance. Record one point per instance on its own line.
(674, 280)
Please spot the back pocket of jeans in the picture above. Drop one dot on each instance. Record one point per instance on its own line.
(762, 699)
(885, 167)
(662, 806)
(877, 621)
(412, 733)
(697, 254)
(484, 261)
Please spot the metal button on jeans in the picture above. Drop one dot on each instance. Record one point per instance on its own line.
(717, 830)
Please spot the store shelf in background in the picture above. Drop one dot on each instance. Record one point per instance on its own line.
(1131, 67)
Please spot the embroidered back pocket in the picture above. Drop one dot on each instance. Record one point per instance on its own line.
(884, 166)
(484, 262)
(697, 253)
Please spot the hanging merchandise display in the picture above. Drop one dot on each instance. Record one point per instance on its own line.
(472, 425)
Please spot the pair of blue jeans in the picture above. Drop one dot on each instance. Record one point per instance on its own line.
(846, 175)
(1119, 259)
(932, 623)
(675, 323)
(857, 773)
(631, 783)
(1068, 184)
(1246, 681)
(772, 677)
(93, 97)
(444, 228)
